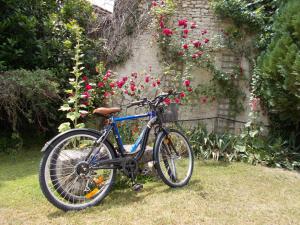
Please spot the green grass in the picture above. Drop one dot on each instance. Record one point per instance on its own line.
(217, 194)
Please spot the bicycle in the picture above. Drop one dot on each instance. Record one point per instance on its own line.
(78, 167)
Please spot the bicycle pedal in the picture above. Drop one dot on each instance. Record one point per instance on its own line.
(145, 172)
(137, 187)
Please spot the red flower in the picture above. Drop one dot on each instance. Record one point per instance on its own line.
(125, 91)
(190, 89)
(177, 100)
(195, 56)
(185, 46)
(181, 53)
(200, 53)
(147, 79)
(125, 79)
(187, 83)
(184, 36)
(106, 94)
(132, 87)
(88, 87)
(206, 40)
(158, 81)
(185, 31)
(112, 92)
(108, 73)
(84, 78)
(120, 83)
(196, 44)
(167, 32)
(153, 84)
(167, 101)
(100, 84)
(154, 3)
(182, 95)
(182, 23)
(112, 84)
(204, 32)
(162, 24)
(193, 25)
(105, 78)
(86, 94)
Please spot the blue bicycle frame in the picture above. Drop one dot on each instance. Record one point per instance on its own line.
(115, 120)
(141, 140)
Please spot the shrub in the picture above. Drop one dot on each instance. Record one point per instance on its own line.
(28, 97)
(279, 68)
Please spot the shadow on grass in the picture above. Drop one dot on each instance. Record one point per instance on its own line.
(19, 165)
(212, 163)
(122, 196)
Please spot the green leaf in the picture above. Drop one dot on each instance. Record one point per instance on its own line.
(69, 91)
(64, 127)
(240, 148)
(253, 133)
(73, 115)
(65, 107)
(80, 125)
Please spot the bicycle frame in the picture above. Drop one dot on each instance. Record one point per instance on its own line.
(141, 140)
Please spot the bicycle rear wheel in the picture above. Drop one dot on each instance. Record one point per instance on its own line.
(174, 159)
(67, 179)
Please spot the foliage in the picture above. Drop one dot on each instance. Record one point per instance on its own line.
(36, 35)
(28, 96)
(279, 69)
(250, 146)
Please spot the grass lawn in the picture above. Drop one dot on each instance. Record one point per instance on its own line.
(217, 194)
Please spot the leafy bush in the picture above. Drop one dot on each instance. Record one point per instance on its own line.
(37, 34)
(250, 146)
(28, 97)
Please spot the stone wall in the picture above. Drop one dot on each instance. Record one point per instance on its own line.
(145, 53)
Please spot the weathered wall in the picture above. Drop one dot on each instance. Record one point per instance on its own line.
(144, 54)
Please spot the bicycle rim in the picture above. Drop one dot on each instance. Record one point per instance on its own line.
(175, 159)
(62, 176)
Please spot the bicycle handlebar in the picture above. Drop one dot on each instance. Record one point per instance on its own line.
(158, 99)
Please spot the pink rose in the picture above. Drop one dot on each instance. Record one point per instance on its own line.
(187, 83)
(88, 87)
(182, 23)
(167, 32)
(167, 101)
(100, 84)
(196, 44)
(206, 40)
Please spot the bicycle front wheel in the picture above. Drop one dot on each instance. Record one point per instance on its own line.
(174, 159)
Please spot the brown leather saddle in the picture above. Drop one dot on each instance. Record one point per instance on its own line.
(103, 111)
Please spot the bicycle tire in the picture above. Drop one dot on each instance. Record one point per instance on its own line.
(168, 177)
(42, 173)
